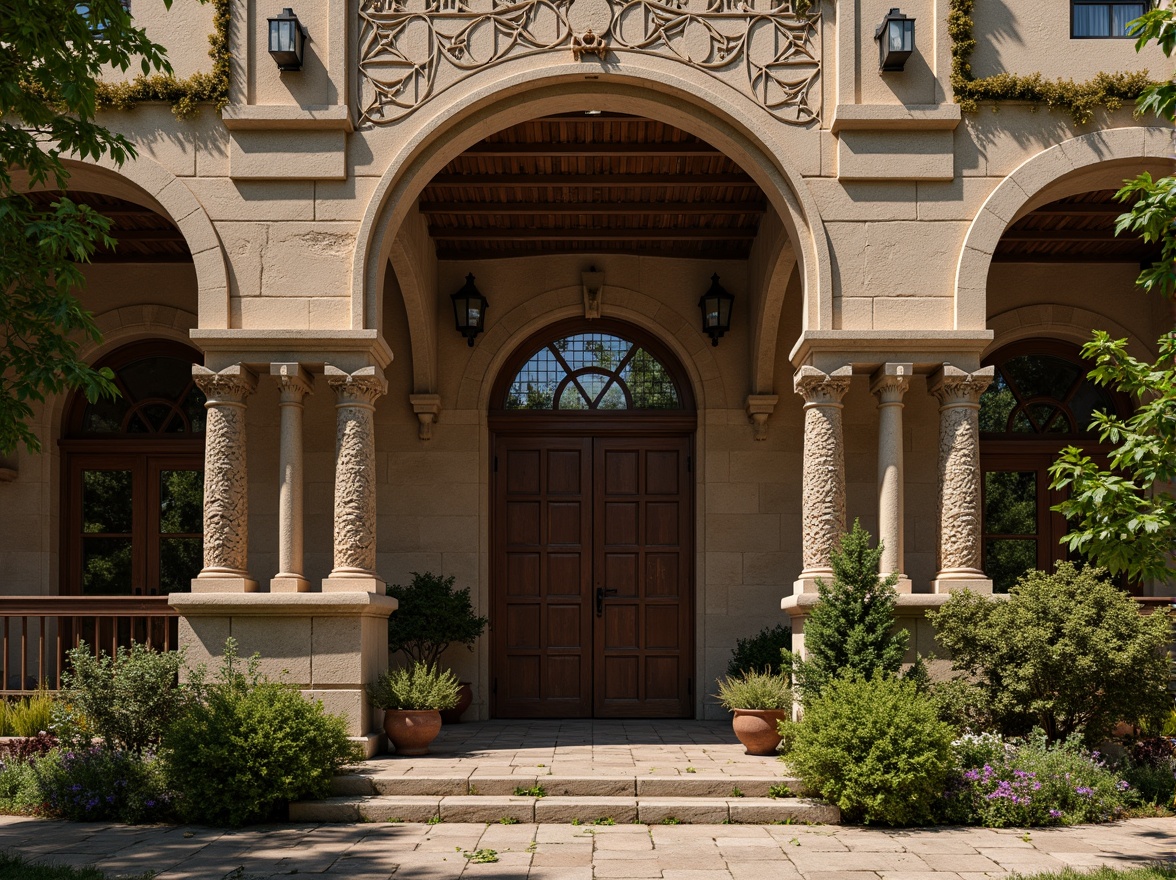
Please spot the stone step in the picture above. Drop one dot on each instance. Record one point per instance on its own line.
(563, 810)
(366, 782)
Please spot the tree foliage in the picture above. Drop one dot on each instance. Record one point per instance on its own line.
(1068, 652)
(1120, 514)
(52, 53)
(849, 631)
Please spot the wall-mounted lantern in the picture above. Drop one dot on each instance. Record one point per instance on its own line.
(287, 38)
(896, 40)
(716, 310)
(469, 310)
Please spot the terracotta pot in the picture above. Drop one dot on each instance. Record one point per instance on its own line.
(411, 730)
(465, 696)
(756, 729)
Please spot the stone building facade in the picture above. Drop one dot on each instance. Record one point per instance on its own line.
(911, 284)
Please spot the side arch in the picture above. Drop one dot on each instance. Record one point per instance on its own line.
(509, 94)
(1059, 321)
(1093, 161)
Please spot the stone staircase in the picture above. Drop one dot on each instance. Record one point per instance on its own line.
(369, 795)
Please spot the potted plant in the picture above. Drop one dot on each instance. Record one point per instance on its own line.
(759, 700)
(412, 699)
(432, 616)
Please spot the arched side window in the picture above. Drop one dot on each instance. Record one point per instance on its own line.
(1039, 402)
(134, 478)
(593, 371)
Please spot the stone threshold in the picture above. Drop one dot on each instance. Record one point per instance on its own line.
(376, 783)
(563, 810)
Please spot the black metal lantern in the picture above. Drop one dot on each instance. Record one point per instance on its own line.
(469, 310)
(716, 310)
(287, 38)
(896, 40)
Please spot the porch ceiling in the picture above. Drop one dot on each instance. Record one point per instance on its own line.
(1078, 229)
(143, 236)
(578, 183)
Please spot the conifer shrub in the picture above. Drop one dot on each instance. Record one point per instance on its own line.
(875, 748)
(762, 652)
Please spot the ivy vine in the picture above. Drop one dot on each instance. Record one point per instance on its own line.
(1079, 99)
(184, 95)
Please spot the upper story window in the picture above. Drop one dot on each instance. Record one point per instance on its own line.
(1091, 19)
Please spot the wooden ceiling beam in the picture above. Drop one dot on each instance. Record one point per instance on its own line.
(589, 181)
(574, 208)
(1064, 235)
(1083, 209)
(686, 252)
(634, 235)
(1132, 259)
(501, 149)
(147, 235)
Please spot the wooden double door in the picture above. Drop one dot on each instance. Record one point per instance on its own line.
(593, 610)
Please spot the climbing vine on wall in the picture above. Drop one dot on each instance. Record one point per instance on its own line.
(1079, 99)
(184, 95)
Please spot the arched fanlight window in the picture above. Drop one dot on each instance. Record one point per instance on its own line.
(157, 396)
(1041, 393)
(593, 371)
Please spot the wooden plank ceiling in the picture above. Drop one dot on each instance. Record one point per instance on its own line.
(592, 183)
(143, 236)
(1078, 229)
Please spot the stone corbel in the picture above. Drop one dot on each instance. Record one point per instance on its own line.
(593, 283)
(427, 407)
(759, 408)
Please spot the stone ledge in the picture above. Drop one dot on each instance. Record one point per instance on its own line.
(869, 349)
(347, 349)
(271, 117)
(282, 604)
(896, 117)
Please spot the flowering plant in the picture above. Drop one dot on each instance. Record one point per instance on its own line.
(99, 783)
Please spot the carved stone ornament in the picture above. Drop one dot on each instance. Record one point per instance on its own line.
(759, 408)
(413, 50)
(226, 499)
(427, 407)
(355, 468)
(959, 393)
(823, 478)
(593, 285)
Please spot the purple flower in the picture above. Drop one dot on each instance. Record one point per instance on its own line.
(1122, 785)
(1055, 814)
(1083, 790)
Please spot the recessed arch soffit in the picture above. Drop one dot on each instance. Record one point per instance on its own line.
(411, 51)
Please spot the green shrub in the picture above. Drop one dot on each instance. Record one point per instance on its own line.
(875, 748)
(850, 631)
(963, 705)
(762, 652)
(1037, 782)
(128, 700)
(755, 690)
(1150, 767)
(431, 616)
(29, 716)
(1068, 652)
(18, 787)
(417, 687)
(247, 746)
(101, 784)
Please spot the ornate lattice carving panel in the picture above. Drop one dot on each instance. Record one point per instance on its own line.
(412, 50)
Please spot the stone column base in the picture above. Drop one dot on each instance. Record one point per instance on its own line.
(963, 579)
(215, 583)
(330, 645)
(806, 582)
(289, 583)
(904, 585)
(353, 584)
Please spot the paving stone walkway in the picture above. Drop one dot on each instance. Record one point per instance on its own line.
(567, 852)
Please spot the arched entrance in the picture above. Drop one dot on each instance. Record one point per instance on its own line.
(592, 520)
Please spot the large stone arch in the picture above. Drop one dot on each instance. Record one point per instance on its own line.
(501, 341)
(1059, 321)
(1098, 160)
(510, 93)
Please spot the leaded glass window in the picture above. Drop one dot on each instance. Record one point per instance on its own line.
(593, 371)
(1041, 394)
(158, 397)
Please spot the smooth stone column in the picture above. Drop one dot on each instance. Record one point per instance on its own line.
(355, 479)
(226, 481)
(823, 480)
(959, 393)
(294, 383)
(889, 384)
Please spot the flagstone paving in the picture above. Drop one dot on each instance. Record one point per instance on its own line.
(568, 852)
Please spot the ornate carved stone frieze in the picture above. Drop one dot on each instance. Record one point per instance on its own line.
(412, 50)
(823, 478)
(355, 469)
(226, 499)
(958, 393)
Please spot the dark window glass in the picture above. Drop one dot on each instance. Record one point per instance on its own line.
(1041, 394)
(158, 397)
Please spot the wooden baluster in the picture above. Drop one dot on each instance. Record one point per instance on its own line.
(6, 622)
(41, 678)
(60, 651)
(24, 652)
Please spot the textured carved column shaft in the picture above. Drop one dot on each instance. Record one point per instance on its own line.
(294, 383)
(959, 393)
(355, 470)
(226, 500)
(889, 385)
(823, 480)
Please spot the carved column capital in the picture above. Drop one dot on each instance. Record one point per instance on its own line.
(891, 382)
(294, 382)
(819, 388)
(228, 387)
(360, 388)
(759, 408)
(955, 387)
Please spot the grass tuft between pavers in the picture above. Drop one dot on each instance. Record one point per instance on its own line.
(13, 867)
(1158, 871)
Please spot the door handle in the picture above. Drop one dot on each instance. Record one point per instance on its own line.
(601, 592)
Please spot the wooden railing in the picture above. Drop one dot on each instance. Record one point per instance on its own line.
(36, 632)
